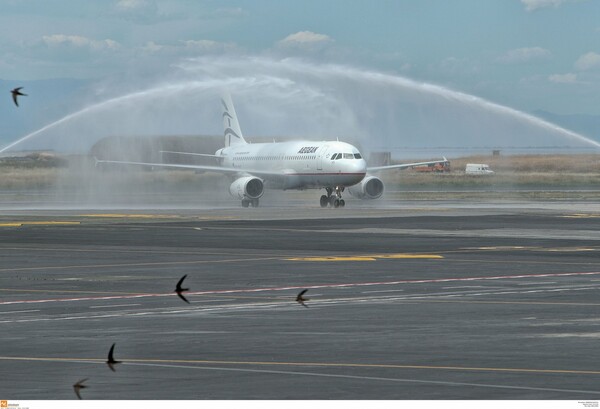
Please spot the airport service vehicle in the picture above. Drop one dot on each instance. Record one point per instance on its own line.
(478, 169)
(330, 165)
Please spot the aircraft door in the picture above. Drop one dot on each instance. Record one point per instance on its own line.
(321, 157)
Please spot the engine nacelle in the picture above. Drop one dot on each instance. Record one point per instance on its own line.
(371, 187)
(248, 187)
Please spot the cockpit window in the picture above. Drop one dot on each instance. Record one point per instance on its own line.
(357, 156)
(348, 156)
(335, 156)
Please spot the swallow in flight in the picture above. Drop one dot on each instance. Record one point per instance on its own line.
(79, 385)
(300, 298)
(179, 290)
(15, 92)
(111, 359)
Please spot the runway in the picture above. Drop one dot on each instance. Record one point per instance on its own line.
(445, 300)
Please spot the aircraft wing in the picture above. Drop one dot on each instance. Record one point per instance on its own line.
(195, 154)
(405, 165)
(217, 169)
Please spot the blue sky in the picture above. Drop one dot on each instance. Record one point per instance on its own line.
(526, 54)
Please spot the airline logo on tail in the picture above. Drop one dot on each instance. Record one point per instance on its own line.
(233, 133)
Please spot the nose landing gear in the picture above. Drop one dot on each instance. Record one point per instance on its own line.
(333, 197)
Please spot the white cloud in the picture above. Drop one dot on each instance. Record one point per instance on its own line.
(588, 61)
(139, 11)
(128, 5)
(305, 39)
(563, 78)
(523, 55)
(188, 47)
(532, 5)
(79, 42)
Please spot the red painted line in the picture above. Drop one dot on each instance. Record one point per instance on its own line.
(342, 285)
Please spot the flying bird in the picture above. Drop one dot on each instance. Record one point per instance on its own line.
(15, 92)
(300, 298)
(179, 290)
(111, 359)
(79, 385)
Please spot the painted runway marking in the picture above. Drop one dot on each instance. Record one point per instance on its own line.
(309, 364)
(113, 306)
(131, 216)
(339, 285)
(16, 312)
(38, 223)
(370, 378)
(382, 291)
(175, 365)
(368, 257)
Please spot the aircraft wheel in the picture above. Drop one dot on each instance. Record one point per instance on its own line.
(336, 203)
(342, 203)
(245, 202)
(254, 202)
(324, 201)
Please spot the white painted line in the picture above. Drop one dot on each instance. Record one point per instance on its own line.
(533, 283)
(365, 378)
(113, 306)
(382, 291)
(15, 312)
(216, 300)
(318, 286)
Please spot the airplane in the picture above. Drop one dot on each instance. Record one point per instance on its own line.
(330, 165)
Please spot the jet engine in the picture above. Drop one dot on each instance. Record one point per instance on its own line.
(371, 187)
(248, 187)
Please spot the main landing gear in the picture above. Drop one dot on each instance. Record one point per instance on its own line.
(248, 202)
(333, 197)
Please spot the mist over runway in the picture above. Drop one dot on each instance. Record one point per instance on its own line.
(446, 300)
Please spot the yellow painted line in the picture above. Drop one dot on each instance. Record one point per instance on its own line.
(305, 364)
(409, 256)
(132, 216)
(368, 258)
(155, 216)
(350, 258)
(501, 248)
(39, 223)
(581, 216)
(572, 249)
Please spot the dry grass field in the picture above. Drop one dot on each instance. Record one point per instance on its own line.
(518, 172)
(511, 172)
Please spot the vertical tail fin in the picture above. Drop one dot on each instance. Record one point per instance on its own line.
(233, 133)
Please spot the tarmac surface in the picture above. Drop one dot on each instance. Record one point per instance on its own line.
(450, 300)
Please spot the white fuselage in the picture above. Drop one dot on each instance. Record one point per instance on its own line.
(304, 164)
